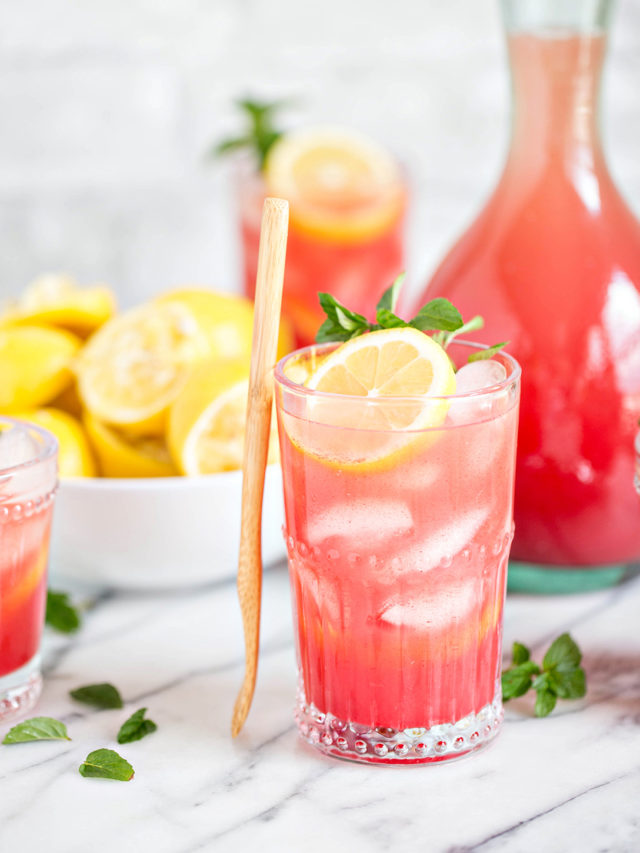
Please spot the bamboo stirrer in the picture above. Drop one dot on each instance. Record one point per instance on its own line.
(271, 258)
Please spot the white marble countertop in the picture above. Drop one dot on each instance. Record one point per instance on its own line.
(570, 782)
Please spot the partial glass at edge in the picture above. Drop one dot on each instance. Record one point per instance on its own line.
(398, 545)
(28, 478)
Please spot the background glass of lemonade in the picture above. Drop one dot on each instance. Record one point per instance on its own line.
(346, 231)
(28, 479)
(398, 544)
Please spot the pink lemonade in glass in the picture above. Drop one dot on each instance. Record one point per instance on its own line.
(553, 265)
(28, 476)
(346, 226)
(398, 545)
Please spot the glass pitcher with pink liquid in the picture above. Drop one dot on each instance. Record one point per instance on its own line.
(553, 264)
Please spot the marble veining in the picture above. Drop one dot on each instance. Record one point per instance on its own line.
(570, 782)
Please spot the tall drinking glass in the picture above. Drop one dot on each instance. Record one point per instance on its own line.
(28, 479)
(398, 544)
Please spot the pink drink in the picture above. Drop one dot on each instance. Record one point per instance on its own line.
(553, 265)
(398, 570)
(27, 484)
(355, 271)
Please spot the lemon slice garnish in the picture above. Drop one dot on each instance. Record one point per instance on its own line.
(341, 186)
(404, 365)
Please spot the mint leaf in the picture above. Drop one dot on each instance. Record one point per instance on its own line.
(489, 352)
(98, 695)
(439, 314)
(60, 613)
(341, 323)
(37, 728)
(545, 703)
(106, 764)
(563, 654)
(389, 298)
(561, 676)
(386, 319)
(568, 685)
(520, 653)
(261, 132)
(136, 727)
(516, 681)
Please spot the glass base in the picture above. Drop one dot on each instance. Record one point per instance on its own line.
(343, 739)
(540, 579)
(20, 690)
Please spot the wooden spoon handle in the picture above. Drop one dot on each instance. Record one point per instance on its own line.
(271, 258)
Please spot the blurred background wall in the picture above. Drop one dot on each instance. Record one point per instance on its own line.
(108, 109)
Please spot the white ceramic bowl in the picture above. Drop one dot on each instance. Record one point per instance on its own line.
(158, 533)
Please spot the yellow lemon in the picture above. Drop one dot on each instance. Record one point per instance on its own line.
(125, 456)
(404, 365)
(75, 458)
(35, 365)
(207, 420)
(132, 369)
(341, 186)
(226, 320)
(56, 300)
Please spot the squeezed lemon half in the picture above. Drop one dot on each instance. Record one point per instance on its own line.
(207, 420)
(35, 365)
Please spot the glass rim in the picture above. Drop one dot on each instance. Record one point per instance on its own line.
(47, 451)
(490, 391)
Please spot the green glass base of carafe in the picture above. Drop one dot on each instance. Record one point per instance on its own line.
(539, 579)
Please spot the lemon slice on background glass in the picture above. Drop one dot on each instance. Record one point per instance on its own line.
(35, 365)
(127, 456)
(56, 300)
(207, 420)
(341, 185)
(75, 458)
(402, 364)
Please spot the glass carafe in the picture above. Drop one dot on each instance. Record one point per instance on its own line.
(553, 264)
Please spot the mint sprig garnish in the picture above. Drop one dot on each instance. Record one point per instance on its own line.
(559, 677)
(99, 695)
(60, 613)
(37, 728)
(136, 727)
(106, 764)
(439, 316)
(261, 130)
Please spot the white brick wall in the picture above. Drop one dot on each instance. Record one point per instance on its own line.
(107, 109)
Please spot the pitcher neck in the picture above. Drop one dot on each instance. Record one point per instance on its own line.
(556, 53)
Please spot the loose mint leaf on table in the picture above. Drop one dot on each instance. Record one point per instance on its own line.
(60, 613)
(106, 764)
(545, 702)
(98, 695)
(520, 653)
(560, 677)
(136, 727)
(37, 728)
(563, 655)
(517, 680)
(569, 685)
